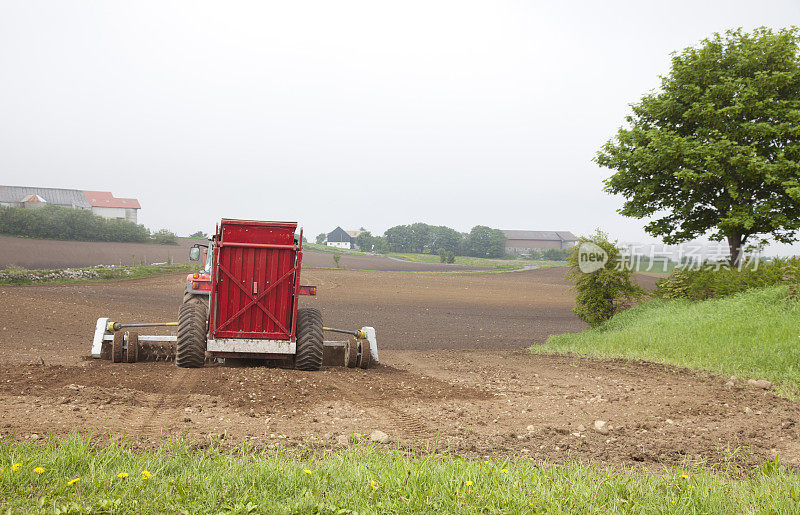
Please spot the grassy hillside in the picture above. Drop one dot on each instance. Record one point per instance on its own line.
(500, 264)
(753, 334)
(78, 477)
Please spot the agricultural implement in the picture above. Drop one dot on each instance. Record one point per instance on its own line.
(243, 304)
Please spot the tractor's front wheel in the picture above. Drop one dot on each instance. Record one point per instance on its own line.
(309, 339)
(190, 351)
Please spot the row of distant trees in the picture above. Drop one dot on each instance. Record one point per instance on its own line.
(422, 238)
(63, 223)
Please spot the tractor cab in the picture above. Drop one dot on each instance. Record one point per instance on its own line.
(199, 283)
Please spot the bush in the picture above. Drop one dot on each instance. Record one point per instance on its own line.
(63, 223)
(713, 281)
(555, 254)
(605, 292)
(165, 237)
(446, 256)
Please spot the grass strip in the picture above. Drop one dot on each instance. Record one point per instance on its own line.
(509, 263)
(753, 334)
(75, 476)
(21, 276)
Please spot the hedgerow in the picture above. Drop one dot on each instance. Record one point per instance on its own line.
(62, 223)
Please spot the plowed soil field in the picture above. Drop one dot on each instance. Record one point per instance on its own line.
(454, 376)
(37, 254)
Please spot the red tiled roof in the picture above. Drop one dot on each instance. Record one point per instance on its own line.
(33, 197)
(106, 199)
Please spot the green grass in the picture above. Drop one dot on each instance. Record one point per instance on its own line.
(656, 267)
(362, 479)
(497, 263)
(19, 276)
(313, 247)
(753, 334)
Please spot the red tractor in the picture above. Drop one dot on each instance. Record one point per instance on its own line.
(243, 304)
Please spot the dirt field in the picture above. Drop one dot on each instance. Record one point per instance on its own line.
(453, 378)
(31, 253)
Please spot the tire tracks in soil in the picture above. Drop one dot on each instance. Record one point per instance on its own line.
(379, 409)
(182, 380)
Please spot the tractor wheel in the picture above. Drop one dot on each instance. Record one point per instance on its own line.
(309, 340)
(117, 352)
(132, 353)
(351, 353)
(365, 358)
(190, 352)
(193, 298)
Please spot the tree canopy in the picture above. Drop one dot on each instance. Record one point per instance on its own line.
(717, 149)
(422, 238)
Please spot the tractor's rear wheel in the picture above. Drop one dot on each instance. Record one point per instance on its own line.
(195, 298)
(190, 351)
(309, 340)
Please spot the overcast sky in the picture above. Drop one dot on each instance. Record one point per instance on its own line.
(341, 113)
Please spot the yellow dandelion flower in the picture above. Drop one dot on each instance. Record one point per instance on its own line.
(38, 470)
(504, 471)
(468, 483)
(374, 485)
(72, 482)
(485, 462)
(684, 476)
(122, 475)
(1, 470)
(15, 467)
(307, 471)
(146, 474)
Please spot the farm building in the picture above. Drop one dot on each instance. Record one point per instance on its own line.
(108, 206)
(342, 239)
(521, 242)
(101, 203)
(22, 196)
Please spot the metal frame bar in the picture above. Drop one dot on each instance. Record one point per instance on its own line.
(261, 245)
(145, 338)
(292, 335)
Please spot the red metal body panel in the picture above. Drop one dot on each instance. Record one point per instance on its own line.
(255, 280)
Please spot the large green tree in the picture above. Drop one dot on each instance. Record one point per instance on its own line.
(717, 150)
(486, 242)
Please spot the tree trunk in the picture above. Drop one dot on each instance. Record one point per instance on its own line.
(735, 242)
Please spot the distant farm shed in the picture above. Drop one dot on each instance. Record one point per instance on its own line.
(101, 203)
(521, 242)
(15, 196)
(108, 206)
(343, 239)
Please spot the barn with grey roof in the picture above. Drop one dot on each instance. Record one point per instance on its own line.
(522, 242)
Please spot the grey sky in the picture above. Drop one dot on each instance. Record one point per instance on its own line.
(341, 113)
